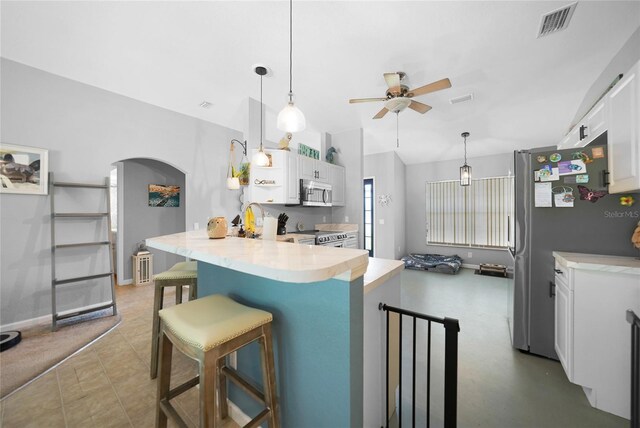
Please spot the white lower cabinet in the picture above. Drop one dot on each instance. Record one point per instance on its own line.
(592, 336)
(564, 326)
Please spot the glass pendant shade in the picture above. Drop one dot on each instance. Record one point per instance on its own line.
(260, 158)
(465, 175)
(291, 119)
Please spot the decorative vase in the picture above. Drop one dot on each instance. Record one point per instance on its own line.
(217, 228)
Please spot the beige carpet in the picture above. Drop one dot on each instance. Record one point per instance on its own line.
(41, 349)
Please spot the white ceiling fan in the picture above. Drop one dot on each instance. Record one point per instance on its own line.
(399, 96)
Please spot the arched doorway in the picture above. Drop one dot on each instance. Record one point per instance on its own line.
(148, 199)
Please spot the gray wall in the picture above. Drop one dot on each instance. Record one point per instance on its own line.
(399, 206)
(140, 221)
(86, 130)
(350, 155)
(626, 57)
(416, 178)
(388, 172)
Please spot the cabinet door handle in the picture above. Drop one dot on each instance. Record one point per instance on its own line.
(552, 289)
(558, 271)
(583, 134)
(605, 178)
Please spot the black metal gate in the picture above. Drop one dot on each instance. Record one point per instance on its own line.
(452, 327)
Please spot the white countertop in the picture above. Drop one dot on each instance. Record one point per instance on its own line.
(379, 271)
(617, 264)
(280, 261)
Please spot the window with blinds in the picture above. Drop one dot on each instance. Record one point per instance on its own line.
(478, 215)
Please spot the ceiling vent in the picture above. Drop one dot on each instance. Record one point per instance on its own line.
(205, 104)
(556, 20)
(461, 99)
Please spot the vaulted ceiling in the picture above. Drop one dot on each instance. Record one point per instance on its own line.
(177, 54)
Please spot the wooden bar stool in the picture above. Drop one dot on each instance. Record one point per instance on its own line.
(181, 274)
(207, 330)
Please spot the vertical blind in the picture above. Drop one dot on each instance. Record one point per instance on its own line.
(478, 215)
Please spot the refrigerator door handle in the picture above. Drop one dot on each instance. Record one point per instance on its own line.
(552, 289)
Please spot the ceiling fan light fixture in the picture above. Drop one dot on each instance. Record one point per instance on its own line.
(396, 105)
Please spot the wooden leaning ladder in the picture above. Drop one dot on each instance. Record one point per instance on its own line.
(100, 216)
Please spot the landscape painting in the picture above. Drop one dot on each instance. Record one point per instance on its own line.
(23, 170)
(161, 195)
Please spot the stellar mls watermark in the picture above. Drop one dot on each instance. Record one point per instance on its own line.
(622, 214)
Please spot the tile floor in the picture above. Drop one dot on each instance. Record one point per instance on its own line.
(106, 384)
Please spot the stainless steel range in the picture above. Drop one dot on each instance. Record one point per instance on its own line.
(334, 239)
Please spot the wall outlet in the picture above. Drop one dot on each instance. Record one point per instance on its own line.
(469, 255)
(381, 221)
(324, 218)
(196, 226)
(346, 219)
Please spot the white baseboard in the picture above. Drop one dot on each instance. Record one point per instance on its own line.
(125, 282)
(21, 325)
(237, 415)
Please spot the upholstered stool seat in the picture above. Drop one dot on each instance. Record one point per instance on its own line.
(207, 330)
(179, 275)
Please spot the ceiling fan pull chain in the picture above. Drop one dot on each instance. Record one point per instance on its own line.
(398, 129)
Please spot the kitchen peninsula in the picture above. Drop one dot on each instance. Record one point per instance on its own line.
(316, 296)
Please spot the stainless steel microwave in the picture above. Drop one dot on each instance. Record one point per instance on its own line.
(315, 194)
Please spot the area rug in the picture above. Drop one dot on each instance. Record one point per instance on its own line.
(41, 349)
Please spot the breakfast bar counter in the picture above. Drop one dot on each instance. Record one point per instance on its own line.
(316, 296)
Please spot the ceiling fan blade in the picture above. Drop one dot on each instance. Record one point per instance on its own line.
(381, 113)
(393, 81)
(431, 87)
(419, 107)
(365, 100)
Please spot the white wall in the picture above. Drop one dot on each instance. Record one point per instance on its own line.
(416, 178)
(87, 129)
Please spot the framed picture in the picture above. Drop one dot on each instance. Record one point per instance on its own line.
(161, 195)
(24, 170)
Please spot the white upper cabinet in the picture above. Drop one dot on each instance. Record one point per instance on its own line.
(588, 129)
(292, 180)
(337, 181)
(280, 182)
(623, 134)
(313, 169)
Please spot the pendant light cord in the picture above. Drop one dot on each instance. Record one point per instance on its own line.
(290, 50)
(465, 151)
(261, 112)
(397, 129)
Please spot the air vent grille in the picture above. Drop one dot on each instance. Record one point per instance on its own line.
(461, 99)
(556, 20)
(206, 104)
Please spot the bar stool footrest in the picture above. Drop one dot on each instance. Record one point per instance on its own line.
(262, 416)
(243, 384)
(183, 388)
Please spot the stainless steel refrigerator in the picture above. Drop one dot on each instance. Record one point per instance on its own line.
(589, 227)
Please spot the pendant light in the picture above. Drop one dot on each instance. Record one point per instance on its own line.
(260, 158)
(465, 170)
(290, 118)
